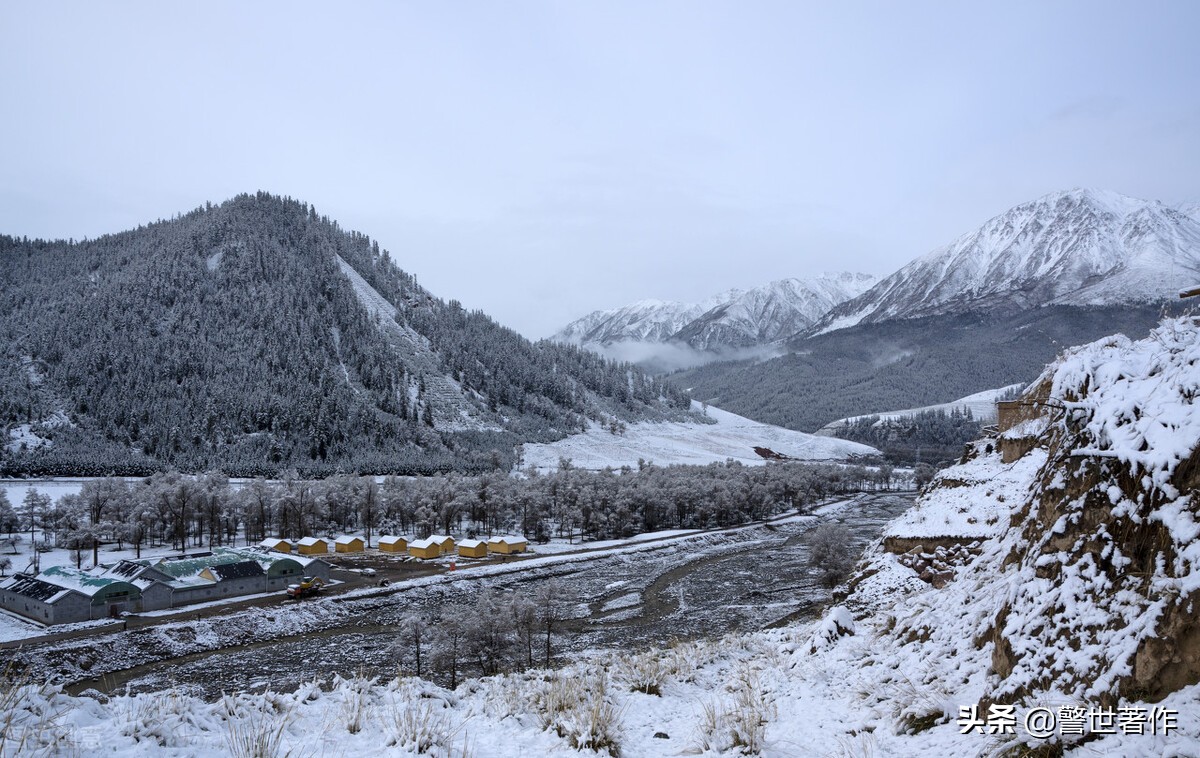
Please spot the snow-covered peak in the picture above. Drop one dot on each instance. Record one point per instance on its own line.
(772, 312)
(1191, 210)
(646, 320)
(734, 318)
(1080, 247)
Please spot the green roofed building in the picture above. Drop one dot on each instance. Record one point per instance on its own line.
(62, 594)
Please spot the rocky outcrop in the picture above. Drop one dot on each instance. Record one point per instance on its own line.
(1085, 584)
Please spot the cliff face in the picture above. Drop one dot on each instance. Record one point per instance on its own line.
(1081, 584)
(1104, 547)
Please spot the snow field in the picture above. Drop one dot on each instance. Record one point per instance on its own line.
(732, 437)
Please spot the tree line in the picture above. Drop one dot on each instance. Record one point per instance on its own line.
(184, 512)
(932, 436)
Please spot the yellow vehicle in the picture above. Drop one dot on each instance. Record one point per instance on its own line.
(309, 585)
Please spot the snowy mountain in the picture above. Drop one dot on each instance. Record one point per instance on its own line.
(643, 321)
(1083, 247)
(256, 336)
(731, 319)
(772, 312)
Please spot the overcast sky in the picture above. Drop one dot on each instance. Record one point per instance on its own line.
(539, 161)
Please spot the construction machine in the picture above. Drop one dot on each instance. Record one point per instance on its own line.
(308, 586)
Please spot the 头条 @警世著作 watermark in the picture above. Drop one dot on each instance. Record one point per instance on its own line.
(1042, 722)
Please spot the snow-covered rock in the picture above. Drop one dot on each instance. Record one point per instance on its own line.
(1081, 585)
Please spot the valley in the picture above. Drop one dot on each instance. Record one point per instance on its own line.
(616, 598)
(600, 380)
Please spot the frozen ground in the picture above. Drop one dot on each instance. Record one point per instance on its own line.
(731, 437)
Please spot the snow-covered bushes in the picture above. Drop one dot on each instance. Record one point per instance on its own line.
(29, 716)
(579, 710)
(738, 721)
(256, 733)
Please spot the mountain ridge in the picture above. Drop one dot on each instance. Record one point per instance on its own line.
(257, 336)
(732, 319)
(1082, 247)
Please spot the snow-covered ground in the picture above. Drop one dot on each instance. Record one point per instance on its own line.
(979, 504)
(17, 489)
(1077, 602)
(732, 437)
(982, 406)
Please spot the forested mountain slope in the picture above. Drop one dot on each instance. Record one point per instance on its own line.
(989, 309)
(874, 368)
(256, 336)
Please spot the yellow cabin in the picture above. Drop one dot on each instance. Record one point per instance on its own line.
(312, 546)
(278, 545)
(424, 549)
(472, 549)
(507, 545)
(393, 544)
(349, 545)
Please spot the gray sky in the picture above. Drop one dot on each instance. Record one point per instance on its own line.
(539, 161)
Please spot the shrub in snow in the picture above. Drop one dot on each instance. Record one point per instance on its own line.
(830, 552)
(420, 726)
(256, 734)
(29, 717)
(578, 710)
(357, 695)
(838, 622)
(737, 723)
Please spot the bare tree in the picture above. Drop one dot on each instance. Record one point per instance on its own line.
(413, 632)
(9, 520)
(367, 491)
(831, 552)
(489, 634)
(36, 506)
(448, 644)
(550, 611)
(525, 624)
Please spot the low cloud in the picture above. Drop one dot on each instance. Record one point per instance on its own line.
(664, 357)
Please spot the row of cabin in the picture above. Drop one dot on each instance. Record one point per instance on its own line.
(62, 594)
(316, 545)
(438, 545)
(433, 546)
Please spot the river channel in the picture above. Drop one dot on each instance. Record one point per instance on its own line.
(741, 580)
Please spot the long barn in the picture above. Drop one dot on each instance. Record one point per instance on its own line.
(61, 594)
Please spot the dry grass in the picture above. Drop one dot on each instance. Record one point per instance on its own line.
(258, 734)
(739, 723)
(357, 703)
(579, 711)
(29, 718)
